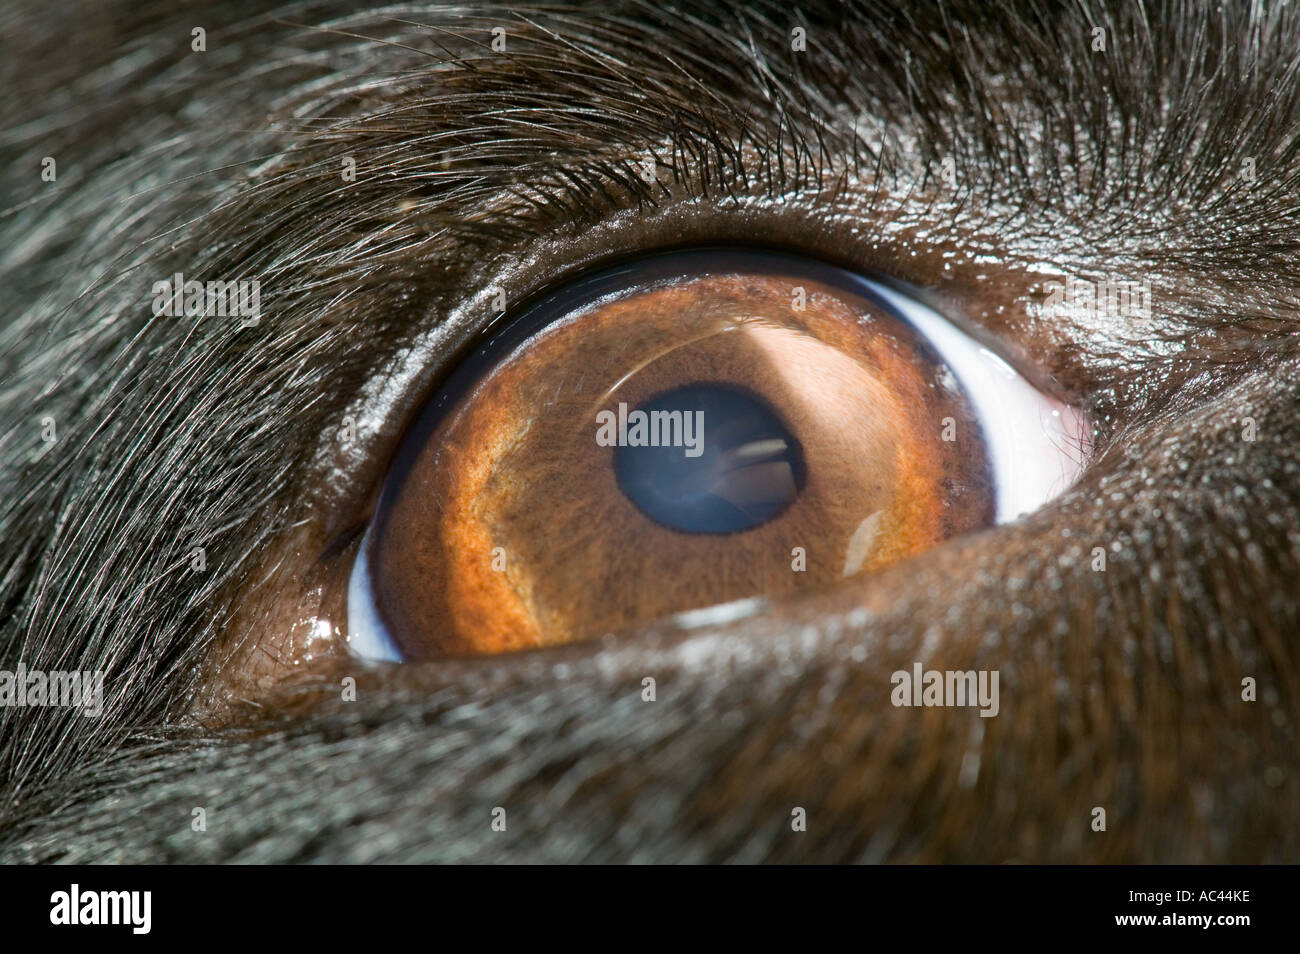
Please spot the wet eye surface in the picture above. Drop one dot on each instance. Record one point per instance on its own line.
(685, 430)
(750, 470)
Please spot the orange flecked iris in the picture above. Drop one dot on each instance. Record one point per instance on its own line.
(509, 530)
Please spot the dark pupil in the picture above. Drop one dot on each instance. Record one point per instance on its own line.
(749, 467)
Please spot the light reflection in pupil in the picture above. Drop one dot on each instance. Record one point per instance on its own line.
(746, 469)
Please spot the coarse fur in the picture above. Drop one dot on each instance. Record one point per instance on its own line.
(1120, 689)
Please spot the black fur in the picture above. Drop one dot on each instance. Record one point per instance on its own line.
(1119, 689)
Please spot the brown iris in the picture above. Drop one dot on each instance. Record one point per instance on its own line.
(709, 426)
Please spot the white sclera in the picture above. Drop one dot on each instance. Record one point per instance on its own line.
(368, 637)
(1036, 444)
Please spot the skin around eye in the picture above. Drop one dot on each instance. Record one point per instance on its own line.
(691, 429)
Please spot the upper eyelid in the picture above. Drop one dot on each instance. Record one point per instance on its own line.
(889, 232)
(413, 369)
(370, 271)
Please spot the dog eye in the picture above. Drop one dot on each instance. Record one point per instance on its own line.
(686, 430)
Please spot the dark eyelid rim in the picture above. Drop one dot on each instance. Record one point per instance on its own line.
(502, 334)
(786, 227)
